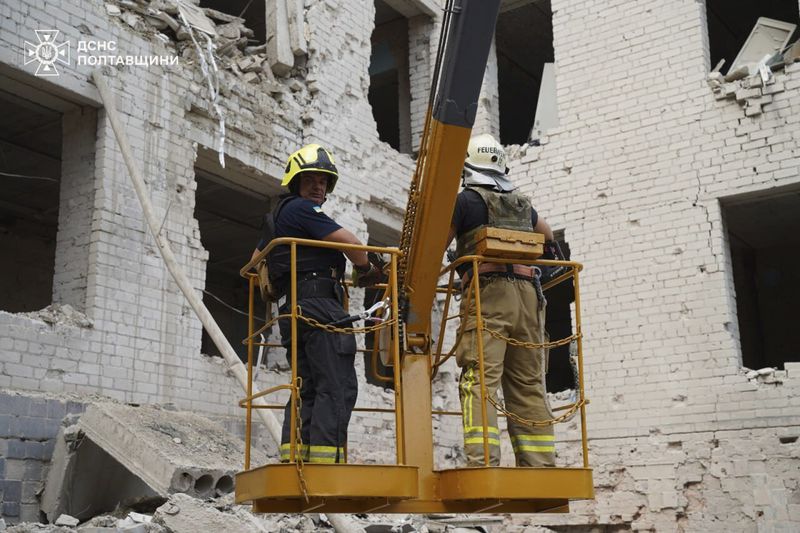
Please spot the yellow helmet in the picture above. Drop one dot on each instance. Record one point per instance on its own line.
(311, 157)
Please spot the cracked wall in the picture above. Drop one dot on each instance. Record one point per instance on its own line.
(681, 438)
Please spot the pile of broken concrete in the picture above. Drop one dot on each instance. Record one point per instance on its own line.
(187, 25)
(142, 469)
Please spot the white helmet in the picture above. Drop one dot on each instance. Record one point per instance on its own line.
(486, 163)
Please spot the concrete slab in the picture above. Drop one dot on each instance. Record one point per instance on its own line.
(171, 451)
(84, 480)
(118, 455)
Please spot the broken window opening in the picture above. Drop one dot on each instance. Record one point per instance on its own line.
(252, 11)
(30, 172)
(558, 323)
(230, 227)
(730, 23)
(764, 239)
(524, 42)
(389, 87)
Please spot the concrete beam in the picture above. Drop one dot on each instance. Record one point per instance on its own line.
(279, 49)
(171, 451)
(508, 5)
(412, 8)
(297, 27)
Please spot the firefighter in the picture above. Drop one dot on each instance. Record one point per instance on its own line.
(325, 360)
(510, 305)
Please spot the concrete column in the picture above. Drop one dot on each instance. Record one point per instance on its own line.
(400, 47)
(487, 119)
(75, 209)
(423, 35)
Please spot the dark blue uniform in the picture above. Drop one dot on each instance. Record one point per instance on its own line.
(325, 361)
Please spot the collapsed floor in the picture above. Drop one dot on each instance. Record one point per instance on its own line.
(138, 469)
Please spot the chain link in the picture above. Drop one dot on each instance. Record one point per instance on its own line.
(334, 329)
(568, 414)
(298, 452)
(409, 222)
(298, 426)
(532, 345)
(522, 344)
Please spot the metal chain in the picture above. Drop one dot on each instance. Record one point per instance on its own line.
(522, 344)
(333, 329)
(409, 220)
(298, 427)
(298, 452)
(568, 414)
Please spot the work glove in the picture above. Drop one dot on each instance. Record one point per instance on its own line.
(371, 273)
(552, 251)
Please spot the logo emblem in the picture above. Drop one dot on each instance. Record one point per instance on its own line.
(47, 52)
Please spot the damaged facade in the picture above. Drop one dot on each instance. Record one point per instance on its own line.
(673, 188)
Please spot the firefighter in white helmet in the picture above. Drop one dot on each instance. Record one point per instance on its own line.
(510, 304)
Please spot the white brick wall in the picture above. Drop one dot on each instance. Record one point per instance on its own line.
(145, 342)
(634, 176)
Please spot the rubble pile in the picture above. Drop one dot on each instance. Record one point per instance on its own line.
(60, 314)
(152, 469)
(190, 27)
(753, 86)
(182, 513)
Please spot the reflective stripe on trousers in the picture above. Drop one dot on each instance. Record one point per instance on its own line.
(469, 390)
(286, 448)
(533, 443)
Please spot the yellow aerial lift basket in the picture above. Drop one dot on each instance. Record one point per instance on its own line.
(412, 484)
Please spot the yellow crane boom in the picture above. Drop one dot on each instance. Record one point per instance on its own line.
(467, 33)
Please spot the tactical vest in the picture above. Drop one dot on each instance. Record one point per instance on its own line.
(506, 210)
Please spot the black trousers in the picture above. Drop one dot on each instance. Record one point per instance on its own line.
(325, 362)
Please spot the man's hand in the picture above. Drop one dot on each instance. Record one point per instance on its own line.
(371, 273)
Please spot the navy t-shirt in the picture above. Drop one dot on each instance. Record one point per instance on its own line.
(305, 219)
(302, 218)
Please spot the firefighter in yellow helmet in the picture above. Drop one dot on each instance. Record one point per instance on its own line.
(325, 360)
(511, 305)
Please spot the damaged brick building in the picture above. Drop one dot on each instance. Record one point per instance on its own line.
(678, 190)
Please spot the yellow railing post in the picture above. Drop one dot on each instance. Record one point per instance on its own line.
(481, 370)
(295, 391)
(440, 340)
(398, 392)
(249, 416)
(581, 392)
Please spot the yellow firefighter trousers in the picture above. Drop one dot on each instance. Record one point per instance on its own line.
(510, 307)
